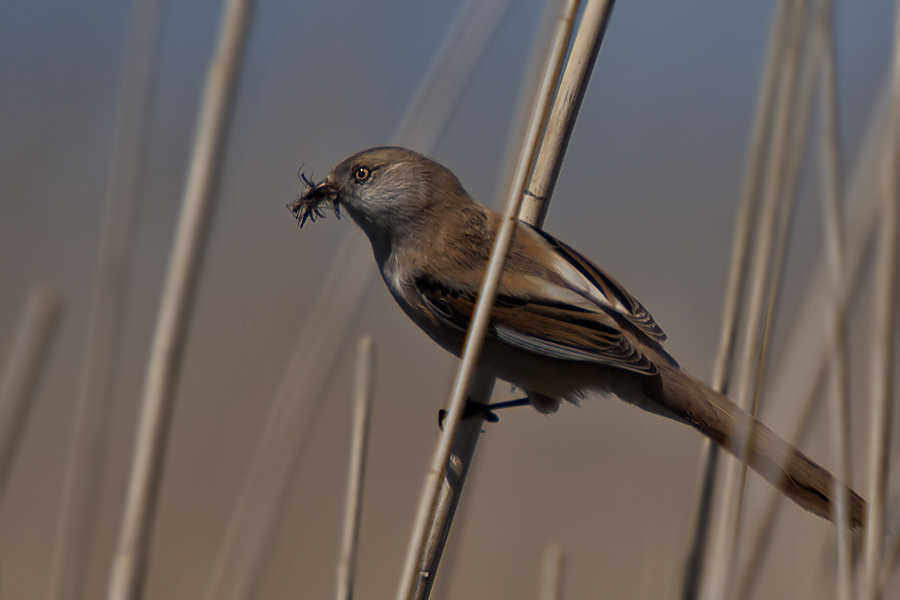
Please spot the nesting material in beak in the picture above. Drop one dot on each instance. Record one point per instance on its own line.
(309, 205)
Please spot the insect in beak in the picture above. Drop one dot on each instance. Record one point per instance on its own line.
(316, 196)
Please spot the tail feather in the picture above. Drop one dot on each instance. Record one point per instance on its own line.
(785, 467)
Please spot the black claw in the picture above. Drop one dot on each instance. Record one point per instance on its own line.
(490, 416)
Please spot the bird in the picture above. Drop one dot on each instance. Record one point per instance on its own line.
(561, 328)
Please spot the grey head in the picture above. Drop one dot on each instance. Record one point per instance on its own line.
(389, 192)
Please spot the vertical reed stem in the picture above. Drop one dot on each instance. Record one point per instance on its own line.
(552, 570)
(27, 358)
(884, 342)
(419, 568)
(71, 546)
(362, 402)
(832, 210)
(734, 295)
(566, 103)
(719, 573)
(786, 190)
(130, 561)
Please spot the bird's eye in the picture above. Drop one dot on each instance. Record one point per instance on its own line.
(361, 174)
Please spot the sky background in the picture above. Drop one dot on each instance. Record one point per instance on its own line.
(648, 190)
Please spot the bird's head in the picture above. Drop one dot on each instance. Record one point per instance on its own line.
(390, 192)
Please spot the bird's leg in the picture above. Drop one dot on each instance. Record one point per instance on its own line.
(510, 403)
(486, 411)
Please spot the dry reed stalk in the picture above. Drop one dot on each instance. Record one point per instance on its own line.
(832, 210)
(884, 342)
(415, 576)
(439, 90)
(21, 373)
(765, 527)
(801, 112)
(71, 544)
(466, 441)
(718, 574)
(890, 564)
(810, 348)
(734, 295)
(362, 402)
(432, 524)
(130, 560)
(566, 104)
(552, 571)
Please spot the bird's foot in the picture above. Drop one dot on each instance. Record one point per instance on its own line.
(485, 411)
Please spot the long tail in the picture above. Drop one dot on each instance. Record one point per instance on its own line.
(785, 467)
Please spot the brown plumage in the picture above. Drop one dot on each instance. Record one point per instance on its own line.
(560, 329)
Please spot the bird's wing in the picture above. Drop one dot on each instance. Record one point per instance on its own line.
(538, 317)
(582, 276)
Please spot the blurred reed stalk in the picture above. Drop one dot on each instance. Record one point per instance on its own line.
(884, 342)
(749, 577)
(890, 564)
(362, 402)
(718, 574)
(810, 356)
(552, 572)
(818, 48)
(440, 89)
(786, 192)
(734, 295)
(832, 211)
(298, 392)
(443, 485)
(71, 545)
(26, 360)
(130, 560)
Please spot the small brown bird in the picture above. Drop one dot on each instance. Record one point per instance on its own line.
(561, 328)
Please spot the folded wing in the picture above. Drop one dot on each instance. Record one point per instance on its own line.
(540, 318)
(586, 278)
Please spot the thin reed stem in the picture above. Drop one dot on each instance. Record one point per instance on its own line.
(71, 544)
(800, 120)
(812, 349)
(130, 561)
(734, 295)
(362, 402)
(440, 89)
(890, 564)
(290, 411)
(414, 575)
(457, 470)
(26, 360)
(419, 569)
(552, 571)
(719, 572)
(765, 527)
(566, 105)
(832, 211)
(884, 342)
(801, 111)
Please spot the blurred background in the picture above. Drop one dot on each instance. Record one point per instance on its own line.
(648, 190)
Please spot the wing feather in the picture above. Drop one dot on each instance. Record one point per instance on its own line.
(541, 323)
(612, 291)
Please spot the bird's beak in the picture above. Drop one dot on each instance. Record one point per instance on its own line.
(309, 205)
